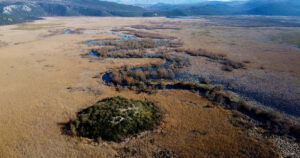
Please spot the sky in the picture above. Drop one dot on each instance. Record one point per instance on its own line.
(163, 1)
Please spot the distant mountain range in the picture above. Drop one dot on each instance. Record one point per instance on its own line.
(251, 7)
(15, 11)
(148, 2)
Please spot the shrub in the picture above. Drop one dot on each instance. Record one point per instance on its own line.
(247, 61)
(127, 80)
(147, 44)
(233, 64)
(162, 73)
(175, 44)
(206, 80)
(116, 53)
(295, 131)
(204, 53)
(227, 68)
(139, 75)
(115, 118)
(130, 44)
(143, 34)
(116, 78)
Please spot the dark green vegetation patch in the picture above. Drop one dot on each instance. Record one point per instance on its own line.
(115, 118)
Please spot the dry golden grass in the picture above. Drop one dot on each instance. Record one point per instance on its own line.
(31, 27)
(190, 129)
(291, 38)
(154, 27)
(34, 99)
(144, 34)
(2, 44)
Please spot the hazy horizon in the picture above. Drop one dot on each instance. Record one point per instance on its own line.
(165, 1)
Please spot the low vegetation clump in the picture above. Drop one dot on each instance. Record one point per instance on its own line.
(120, 30)
(137, 48)
(172, 62)
(140, 78)
(143, 34)
(114, 53)
(228, 65)
(134, 44)
(139, 43)
(154, 27)
(175, 44)
(203, 53)
(115, 118)
(130, 44)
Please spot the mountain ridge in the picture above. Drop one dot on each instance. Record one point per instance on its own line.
(16, 11)
(251, 7)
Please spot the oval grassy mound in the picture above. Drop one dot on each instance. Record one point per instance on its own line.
(115, 118)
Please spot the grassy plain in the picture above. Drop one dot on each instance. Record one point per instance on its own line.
(44, 82)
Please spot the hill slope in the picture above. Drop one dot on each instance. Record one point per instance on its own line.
(21, 10)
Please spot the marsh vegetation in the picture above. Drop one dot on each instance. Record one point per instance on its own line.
(114, 119)
(195, 115)
(228, 65)
(163, 76)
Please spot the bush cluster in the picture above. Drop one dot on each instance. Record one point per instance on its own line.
(114, 53)
(154, 27)
(204, 53)
(140, 78)
(229, 65)
(115, 118)
(143, 34)
(130, 44)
